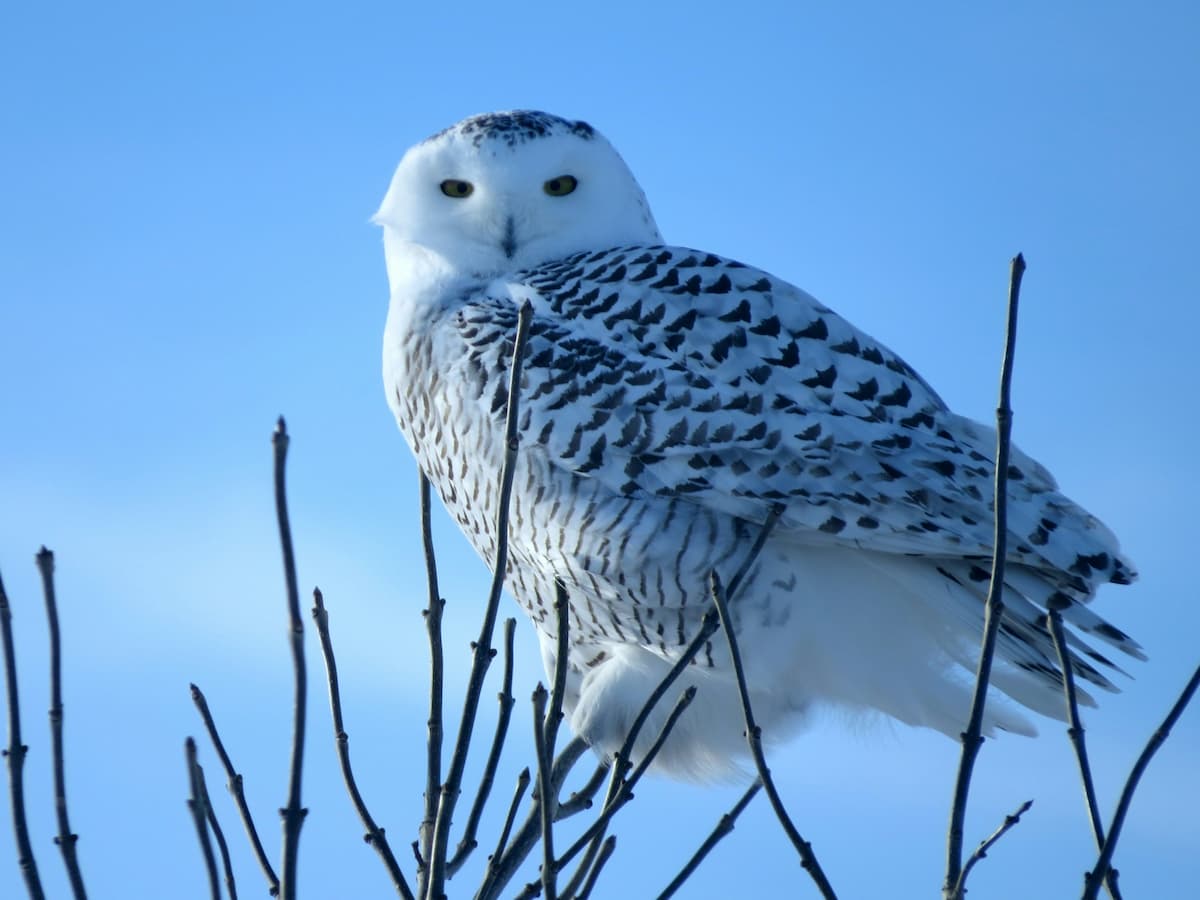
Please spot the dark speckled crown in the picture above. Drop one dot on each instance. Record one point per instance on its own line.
(515, 127)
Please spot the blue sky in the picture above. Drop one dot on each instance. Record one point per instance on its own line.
(186, 255)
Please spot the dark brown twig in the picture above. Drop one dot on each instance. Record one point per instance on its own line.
(592, 837)
(433, 625)
(546, 792)
(982, 850)
(606, 851)
(374, 834)
(972, 738)
(1096, 876)
(483, 651)
(554, 715)
(1076, 734)
(468, 842)
(582, 798)
(15, 755)
(293, 814)
(66, 839)
(236, 788)
(522, 786)
(218, 834)
(724, 827)
(199, 813)
(808, 859)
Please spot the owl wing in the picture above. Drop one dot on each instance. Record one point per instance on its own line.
(674, 372)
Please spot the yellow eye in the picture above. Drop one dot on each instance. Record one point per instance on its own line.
(453, 187)
(561, 186)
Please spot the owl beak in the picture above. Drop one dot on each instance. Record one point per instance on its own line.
(509, 242)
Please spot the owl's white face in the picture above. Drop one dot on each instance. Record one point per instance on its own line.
(504, 191)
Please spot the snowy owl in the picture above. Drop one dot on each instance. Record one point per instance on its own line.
(670, 399)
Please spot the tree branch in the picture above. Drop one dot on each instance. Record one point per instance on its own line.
(198, 810)
(293, 814)
(724, 827)
(1096, 876)
(483, 651)
(222, 846)
(236, 788)
(468, 841)
(15, 755)
(375, 835)
(808, 859)
(982, 850)
(1076, 734)
(66, 838)
(972, 738)
(433, 625)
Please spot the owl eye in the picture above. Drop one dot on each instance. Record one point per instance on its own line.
(561, 186)
(453, 187)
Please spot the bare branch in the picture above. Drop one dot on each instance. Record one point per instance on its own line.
(15, 755)
(494, 862)
(621, 794)
(808, 859)
(433, 624)
(199, 816)
(293, 814)
(236, 788)
(1096, 876)
(375, 834)
(546, 792)
(468, 841)
(222, 846)
(606, 851)
(972, 738)
(483, 651)
(724, 827)
(1076, 734)
(554, 715)
(66, 838)
(982, 850)
(582, 798)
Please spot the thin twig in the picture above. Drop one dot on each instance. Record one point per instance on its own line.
(724, 827)
(1096, 876)
(606, 851)
(546, 791)
(236, 788)
(808, 859)
(981, 851)
(510, 855)
(623, 794)
(66, 839)
(1076, 734)
(196, 806)
(375, 834)
(468, 842)
(211, 816)
(972, 738)
(483, 651)
(293, 814)
(433, 625)
(581, 799)
(554, 715)
(494, 860)
(15, 755)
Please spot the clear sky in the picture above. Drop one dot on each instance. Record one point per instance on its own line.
(185, 254)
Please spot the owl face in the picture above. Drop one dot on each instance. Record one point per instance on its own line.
(504, 191)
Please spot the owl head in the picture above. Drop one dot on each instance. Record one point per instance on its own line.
(505, 191)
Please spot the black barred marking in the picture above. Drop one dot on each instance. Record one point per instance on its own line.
(769, 327)
(868, 522)
(823, 378)
(740, 313)
(898, 397)
(833, 525)
(866, 390)
(816, 330)
(723, 286)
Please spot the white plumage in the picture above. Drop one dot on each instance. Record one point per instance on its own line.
(670, 398)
